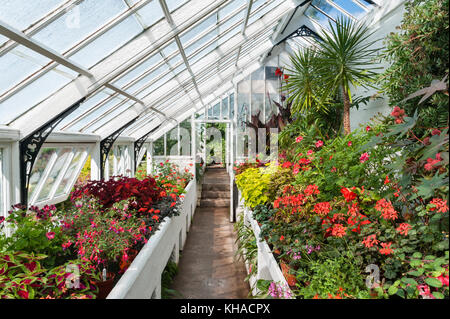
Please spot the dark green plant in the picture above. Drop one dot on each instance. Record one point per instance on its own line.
(418, 54)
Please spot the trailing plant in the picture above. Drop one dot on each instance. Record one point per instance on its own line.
(253, 184)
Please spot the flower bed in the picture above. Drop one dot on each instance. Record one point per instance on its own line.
(142, 279)
(359, 216)
(94, 240)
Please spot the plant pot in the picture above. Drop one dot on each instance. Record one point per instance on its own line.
(290, 278)
(104, 287)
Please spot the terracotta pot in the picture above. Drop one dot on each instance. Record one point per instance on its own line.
(290, 278)
(105, 287)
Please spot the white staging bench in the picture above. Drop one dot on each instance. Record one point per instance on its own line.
(268, 268)
(142, 279)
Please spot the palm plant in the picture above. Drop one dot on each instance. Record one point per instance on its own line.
(346, 59)
(303, 88)
(343, 58)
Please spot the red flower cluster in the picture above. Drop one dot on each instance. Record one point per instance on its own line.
(398, 113)
(144, 192)
(322, 209)
(431, 162)
(440, 205)
(387, 210)
(348, 194)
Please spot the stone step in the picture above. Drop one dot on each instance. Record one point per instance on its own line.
(217, 202)
(216, 187)
(215, 194)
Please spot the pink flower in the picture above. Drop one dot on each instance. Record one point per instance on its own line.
(349, 143)
(364, 157)
(50, 235)
(310, 152)
(319, 143)
(368, 128)
(436, 132)
(443, 280)
(298, 139)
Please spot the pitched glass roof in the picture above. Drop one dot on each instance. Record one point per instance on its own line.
(62, 50)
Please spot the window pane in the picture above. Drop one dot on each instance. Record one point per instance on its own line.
(69, 176)
(158, 147)
(351, 7)
(172, 142)
(225, 108)
(63, 156)
(42, 161)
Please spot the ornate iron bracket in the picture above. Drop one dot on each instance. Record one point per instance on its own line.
(138, 145)
(30, 146)
(107, 143)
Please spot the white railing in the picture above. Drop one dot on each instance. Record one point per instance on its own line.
(267, 266)
(142, 280)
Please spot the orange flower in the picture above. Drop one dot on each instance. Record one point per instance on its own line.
(404, 228)
(386, 250)
(338, 230)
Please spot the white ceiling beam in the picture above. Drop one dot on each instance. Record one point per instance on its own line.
(19, 37)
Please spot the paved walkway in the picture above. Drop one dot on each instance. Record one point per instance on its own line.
(207, 267)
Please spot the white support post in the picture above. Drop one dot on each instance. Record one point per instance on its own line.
(95, 162)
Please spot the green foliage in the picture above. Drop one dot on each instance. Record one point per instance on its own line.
(35, 231)
(331, 277)
(418, 54)
(253, 184)
(167, 277)
(23, 277)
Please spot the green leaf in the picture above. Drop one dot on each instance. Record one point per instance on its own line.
(410, 281)
(417, 255)
(433, 282)
(438, 295)
(392, 290)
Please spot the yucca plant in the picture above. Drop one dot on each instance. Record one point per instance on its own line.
(346, 59)
(304, 86)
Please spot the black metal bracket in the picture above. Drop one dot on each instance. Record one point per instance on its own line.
(30, 146)
(107, 143)
(138, 145)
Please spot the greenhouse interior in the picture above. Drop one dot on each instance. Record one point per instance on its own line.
(224, 149)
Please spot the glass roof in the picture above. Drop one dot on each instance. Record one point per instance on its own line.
(204, 47)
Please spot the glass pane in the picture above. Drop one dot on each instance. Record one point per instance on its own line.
(111, 163)
(42, 161)
(20, 14)
(272, 92)
(140, 69)
(172, 142)
(78, 23)
(232, 106)
(257, 104)
(122, 160)
(35, 92)
(225, 108)
(185, 137)
(104, 118)
(243, 103)
(174, 4)
(17, 65)
(198, 29)
(216, 111)
(69, 176)
(108, 42)
(63, 156)
(351, 7)
(158, 147)
(82, 109)
(150, 13)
